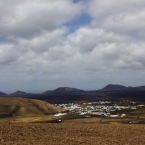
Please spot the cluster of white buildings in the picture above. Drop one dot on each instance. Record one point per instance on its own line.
(102, 108)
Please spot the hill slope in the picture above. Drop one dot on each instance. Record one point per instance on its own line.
(20, 94)
(63, 90)
(114, 87)
(2, 94)
(25, 107)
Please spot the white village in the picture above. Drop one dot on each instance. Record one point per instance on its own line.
(100, 108)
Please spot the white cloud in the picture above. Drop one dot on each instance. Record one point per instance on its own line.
(123, 17)
(8, 54)
(43, 42)
(88, 38)
(131, 24)
(30, 18)
(39, 48)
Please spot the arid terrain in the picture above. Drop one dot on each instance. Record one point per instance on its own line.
(12, 107)
(71, 134)
(29, 122)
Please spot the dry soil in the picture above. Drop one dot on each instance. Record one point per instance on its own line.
(71, 134)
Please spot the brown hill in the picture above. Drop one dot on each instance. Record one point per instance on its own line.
(25, 107)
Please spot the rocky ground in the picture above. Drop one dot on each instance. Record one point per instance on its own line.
(71, 134)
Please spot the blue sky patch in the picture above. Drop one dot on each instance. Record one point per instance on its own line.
(75, 1)
(83, 19)
(5, 40)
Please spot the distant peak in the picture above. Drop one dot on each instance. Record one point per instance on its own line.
(64, 89)
(113, 87)
(18, 93)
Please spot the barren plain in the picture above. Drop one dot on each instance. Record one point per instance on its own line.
(75, 133)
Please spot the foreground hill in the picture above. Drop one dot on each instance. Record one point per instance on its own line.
(25, 107)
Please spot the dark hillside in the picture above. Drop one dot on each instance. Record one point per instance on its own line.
(21, 94)
(113, 87)
(67, 94)
(2, 94)
(63, 90)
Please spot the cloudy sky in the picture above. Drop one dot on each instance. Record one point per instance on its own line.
(86, 44)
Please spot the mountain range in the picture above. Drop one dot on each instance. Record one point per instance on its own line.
(68, 94)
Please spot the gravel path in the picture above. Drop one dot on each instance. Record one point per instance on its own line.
(71, 134)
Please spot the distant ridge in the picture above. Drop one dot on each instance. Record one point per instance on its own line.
(2, 94)
(137, 88)
(68, 89)
(20, 94)
(113, 87)
(68, 94)
(63, 90)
